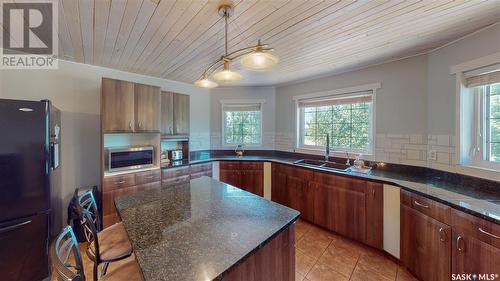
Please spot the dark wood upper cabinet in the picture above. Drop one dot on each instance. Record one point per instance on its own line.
(425, 245)
(476, 245)
(147, 108)
(117, 106)
(128, 107)
(181, 114)
(167, 113)
(174, 114)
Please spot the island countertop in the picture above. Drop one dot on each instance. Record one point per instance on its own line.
(199, 230)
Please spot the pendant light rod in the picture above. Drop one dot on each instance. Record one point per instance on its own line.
(226, 17)
(255, 57)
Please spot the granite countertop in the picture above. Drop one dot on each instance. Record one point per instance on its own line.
(476, 197)
(199, 230)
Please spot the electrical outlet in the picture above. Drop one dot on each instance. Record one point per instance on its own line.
(432, 155)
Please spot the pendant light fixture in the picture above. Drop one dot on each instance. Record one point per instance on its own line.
(204, 82)
(226, 74)
(257, 57)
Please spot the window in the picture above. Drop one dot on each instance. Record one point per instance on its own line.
(480, 134)
(346, 118)
(492, 122)
(242, 124)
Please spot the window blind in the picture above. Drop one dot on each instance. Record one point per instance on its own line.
(350, 98)
(483, 79)
(241, 107)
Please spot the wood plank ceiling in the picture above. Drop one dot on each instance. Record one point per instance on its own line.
(177, 39)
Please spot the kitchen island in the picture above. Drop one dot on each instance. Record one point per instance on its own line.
(208, 230)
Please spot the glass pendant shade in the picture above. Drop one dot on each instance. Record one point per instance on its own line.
(226, 74)
(259, 60)
(204, 82)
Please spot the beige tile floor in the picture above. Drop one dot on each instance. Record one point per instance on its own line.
(325, 256)
(322, 255)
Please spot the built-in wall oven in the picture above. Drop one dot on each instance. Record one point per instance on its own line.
(129, 158)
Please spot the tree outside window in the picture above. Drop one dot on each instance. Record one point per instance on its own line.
(242, 126)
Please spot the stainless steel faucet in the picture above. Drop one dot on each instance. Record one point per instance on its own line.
(327, 151)
(347, 154)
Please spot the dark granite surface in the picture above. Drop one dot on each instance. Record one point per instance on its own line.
(198, 231)
(476, 196)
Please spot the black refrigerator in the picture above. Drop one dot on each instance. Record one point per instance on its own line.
(29, 157)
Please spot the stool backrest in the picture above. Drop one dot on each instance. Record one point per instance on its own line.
(65, 257)
(90, 230)
(87, 201)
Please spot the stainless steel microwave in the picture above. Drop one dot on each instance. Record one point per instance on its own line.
(129, 158)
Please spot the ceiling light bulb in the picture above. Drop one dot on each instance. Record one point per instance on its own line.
(204, 82)
(227, 75)
(259, 60)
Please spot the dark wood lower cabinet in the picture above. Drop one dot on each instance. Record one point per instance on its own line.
(471, 255)
(247, 175)
(252, 181)
(375, 214)
(110, 215)
(274, 261)
(476, 245)
(425, 245)
(348, 206)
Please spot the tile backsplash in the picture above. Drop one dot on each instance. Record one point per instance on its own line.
(407, 149)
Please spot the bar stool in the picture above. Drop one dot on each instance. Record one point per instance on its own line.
(107, 245)
(67, 264)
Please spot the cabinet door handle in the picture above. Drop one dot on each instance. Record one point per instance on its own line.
(373, 192)
(119, 182)
(460, 249)
(489, 234)
(140, 124)
(442, 235)
(130, 124)
(420, 204)
(15, 226)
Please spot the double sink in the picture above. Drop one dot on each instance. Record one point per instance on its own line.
(323, 164)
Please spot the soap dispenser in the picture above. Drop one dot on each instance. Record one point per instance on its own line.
(358, 163)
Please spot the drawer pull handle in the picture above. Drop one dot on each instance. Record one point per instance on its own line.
(420, 204)
(442, 235)
(119, 182)
(460, 249)
(489, 234)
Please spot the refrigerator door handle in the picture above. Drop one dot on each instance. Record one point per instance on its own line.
(15, 226)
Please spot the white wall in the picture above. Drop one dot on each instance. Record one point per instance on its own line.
(401, 106)
(441, 85)
(248, 93)
(415, 108)
(75, 89)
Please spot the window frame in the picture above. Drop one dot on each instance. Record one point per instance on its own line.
(236, 103)
(299, 116)
(478, 156)
(463, 111)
